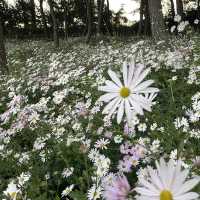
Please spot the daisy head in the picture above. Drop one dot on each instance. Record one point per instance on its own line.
(167, 182)
(131, 96)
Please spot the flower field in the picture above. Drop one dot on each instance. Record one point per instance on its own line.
(113, 120)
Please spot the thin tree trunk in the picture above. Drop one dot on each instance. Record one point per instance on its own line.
(108, 18)
(55, 24)
(89, 20)
(65, 19)
(33, 16)
(3, 60)
(100, 13)
(179, 7)
(172, 8)
(147, 23)
(142, 6)
(157, 22)
(44, 22)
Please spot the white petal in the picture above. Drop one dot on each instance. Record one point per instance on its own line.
(145, 103)
(115, 106)
(107, 97)
(108, 89)
(128, 110)
(143, 85)
(187, 186)
(155, 179)
(187, 196)
(179, 181)
(143, 197)
(149, 186)
(146, 192)
(149, 90)
(112, 84)
(131, 72)
(120, 112)
(142, 76)
(135, 106)
(162, 171)
(114, 77)
(125, 74)
(137, 73)
(110, 105)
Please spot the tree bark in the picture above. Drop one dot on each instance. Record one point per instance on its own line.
(3, 60)
(179, 6)
(142, 6)
(65, 6)
(44, 22)
(147, 23)
(33, 16)
(157, 22)
(172, 8)
(55, 24)
(108, 19)
(89, 19)
(100, 17)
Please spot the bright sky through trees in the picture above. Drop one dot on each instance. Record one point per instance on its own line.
(129, 6)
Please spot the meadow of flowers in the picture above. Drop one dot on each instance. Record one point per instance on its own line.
(115, 120)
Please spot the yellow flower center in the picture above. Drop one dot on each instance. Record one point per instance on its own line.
(13, 194)
(166, 195)
(124, 92)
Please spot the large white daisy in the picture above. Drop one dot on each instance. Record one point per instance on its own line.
(133, 95)
(167, 182)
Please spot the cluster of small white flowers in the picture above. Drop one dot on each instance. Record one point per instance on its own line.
(67, 172)
(101, 163)
(181, 123)
(193, 75)
(59, 96)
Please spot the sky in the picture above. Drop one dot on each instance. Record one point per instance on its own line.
(115, 5)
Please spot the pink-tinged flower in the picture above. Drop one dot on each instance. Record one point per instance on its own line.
(119, 190)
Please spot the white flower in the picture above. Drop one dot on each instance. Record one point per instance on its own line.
(118, 139)
(196, 21)
(167, 182)
(173, 29)
(181, 27)
(12, 191)
(94, 192)
(102, 143)
(142, 127)
(67, 190)
(67, 172)
(177, 18)
(131, 96)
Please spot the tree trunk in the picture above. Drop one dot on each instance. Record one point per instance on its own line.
(44, 22)
(55, 24)
(157, 22)
(65, 6)
(108, 19)
(100, 17)
(89, 20)
(172, 8)
(33, 16)
(3, 60)
(147, 23)
(142, 6)
(179, 6)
